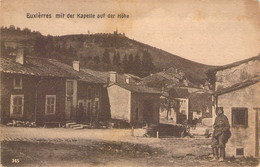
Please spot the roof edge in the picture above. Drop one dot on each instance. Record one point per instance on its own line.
(220, 68)
(237, 86)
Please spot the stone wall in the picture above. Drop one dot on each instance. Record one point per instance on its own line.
(234, 75)
(242, 137)
(119, 99)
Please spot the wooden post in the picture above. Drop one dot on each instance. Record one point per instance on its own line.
(132, 131)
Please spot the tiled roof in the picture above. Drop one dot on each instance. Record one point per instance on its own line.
(237, 86)
(34, 66)
(104, 75)
(182, 93)
(168, 78)
(132, 86)
(82, 75)
(137, 88)
(134, 77)
(212, 70)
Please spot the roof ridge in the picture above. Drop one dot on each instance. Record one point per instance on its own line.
(234, 64)
(237, 86)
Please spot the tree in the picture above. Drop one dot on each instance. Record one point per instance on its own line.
(12, 27)
(18, 29)
(87, 59)
(169, 102)
(131, 63)
(96, 60)
(118, 58)
(106, 58)
(71, 52)
(40, 46)
(57, 48)
(137, 65)
(49, 44)
(3, 49)
(125, 64)
(115, 60)
(26, 31)
(147, 63)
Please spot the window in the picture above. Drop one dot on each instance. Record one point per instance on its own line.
(70, 88)
(50, 104)
(239, 116)
(17, 105)
(97, 92)
(18, 83)
(89, 93)
(183, 112)
(89, 108)
(240, 151)
(97, 105)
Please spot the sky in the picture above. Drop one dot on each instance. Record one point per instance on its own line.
(214, 32)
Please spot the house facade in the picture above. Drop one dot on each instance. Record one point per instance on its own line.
(86, 96)
(135, 104)
(48, 91)
(236, 89)
(32, 89)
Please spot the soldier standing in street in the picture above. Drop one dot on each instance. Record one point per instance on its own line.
(221, 134)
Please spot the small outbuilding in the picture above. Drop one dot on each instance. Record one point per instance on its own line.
(132, 103)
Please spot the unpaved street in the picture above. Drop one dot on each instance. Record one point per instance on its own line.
(103, 147)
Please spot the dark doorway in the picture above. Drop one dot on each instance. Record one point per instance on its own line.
(148, 111)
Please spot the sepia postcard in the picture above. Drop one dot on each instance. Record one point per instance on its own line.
(130, 83)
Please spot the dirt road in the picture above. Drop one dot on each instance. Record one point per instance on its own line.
(107, 147)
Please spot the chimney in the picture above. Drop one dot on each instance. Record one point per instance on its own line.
(113, 76)
(20, 57)
(75, 65)
(185, 82)
(127, 79)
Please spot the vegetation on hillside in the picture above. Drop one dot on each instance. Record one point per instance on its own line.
(105, 52)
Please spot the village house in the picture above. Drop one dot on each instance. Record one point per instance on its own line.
(192, 106)
(176, 109)
(236, 89)
(135, 104)
(131, 103)
(86, 95)
(192, 99)
(48, 91)
(32, 89)
(200, 106)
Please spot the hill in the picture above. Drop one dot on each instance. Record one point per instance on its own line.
(113, 51)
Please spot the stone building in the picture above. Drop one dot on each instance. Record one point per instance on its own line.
(133, 103)
(236, 89)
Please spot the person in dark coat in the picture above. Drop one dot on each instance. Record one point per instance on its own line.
(221, 134)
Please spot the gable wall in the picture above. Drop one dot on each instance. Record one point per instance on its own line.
(243, 137)
(234, 75)
(120, 103)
